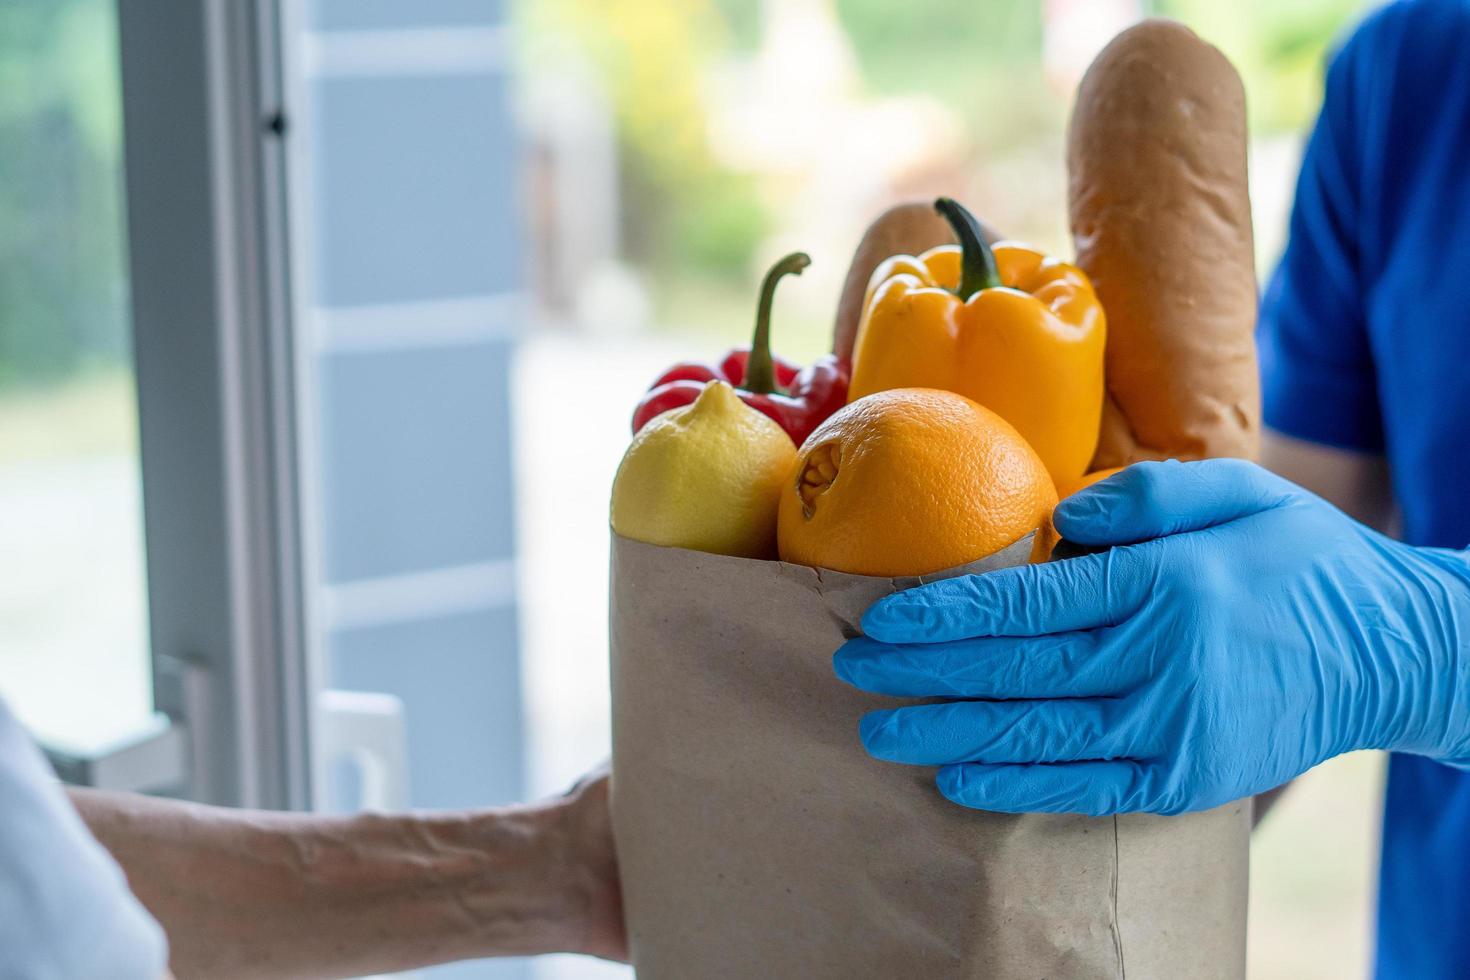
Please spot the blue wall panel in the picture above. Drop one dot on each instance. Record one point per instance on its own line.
(381, 14)
(461, 694)
(416, 193)
(416, 459)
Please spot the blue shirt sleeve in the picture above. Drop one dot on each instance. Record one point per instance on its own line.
(65, 908)
(1317, 371)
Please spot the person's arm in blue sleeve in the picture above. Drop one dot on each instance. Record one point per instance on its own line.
(1317, 374)
(1319, 384)
(65, 908)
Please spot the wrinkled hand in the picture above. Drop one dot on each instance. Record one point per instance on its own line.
(1238, 632)
(592, 864)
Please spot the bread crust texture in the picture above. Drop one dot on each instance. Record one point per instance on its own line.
(1160, 212)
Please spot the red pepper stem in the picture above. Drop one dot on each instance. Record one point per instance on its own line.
(977, 262)
(760, 370)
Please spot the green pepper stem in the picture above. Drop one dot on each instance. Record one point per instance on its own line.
(760, 370)
(977, 262)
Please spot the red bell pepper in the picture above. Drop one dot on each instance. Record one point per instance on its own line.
(797, 400)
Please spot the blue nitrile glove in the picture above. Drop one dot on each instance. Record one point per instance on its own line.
(1255, 632)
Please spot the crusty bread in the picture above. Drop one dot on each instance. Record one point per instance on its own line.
(904, 229)
(1160, 212)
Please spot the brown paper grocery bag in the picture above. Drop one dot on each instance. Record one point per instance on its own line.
(757, 839)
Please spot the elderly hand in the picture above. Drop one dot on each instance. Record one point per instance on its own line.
(593, 865)
(1237, 632)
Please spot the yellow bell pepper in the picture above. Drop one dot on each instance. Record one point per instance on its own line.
(1020, 332)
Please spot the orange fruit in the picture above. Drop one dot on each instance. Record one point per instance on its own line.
(911, 481)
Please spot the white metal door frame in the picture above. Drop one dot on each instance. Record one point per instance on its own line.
(217, 377)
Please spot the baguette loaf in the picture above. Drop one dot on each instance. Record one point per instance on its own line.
(1160, 214)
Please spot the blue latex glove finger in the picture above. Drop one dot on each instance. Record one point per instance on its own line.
(1151, 500)
(1064, 730)
(1067, 665)
(1095, 789)
(1268, 633)
(1031, 600)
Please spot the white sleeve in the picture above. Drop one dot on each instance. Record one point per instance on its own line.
(65, 907)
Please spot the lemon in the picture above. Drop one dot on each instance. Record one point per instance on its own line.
(707, 477)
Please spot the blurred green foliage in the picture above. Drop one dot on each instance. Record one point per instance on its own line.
(686, 216)
(683, 210)
(63, 298)
(974, 55)
(1280, 49)
(62, 245)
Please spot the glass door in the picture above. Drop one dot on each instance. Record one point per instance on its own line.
(147, 398)
(74, 651)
